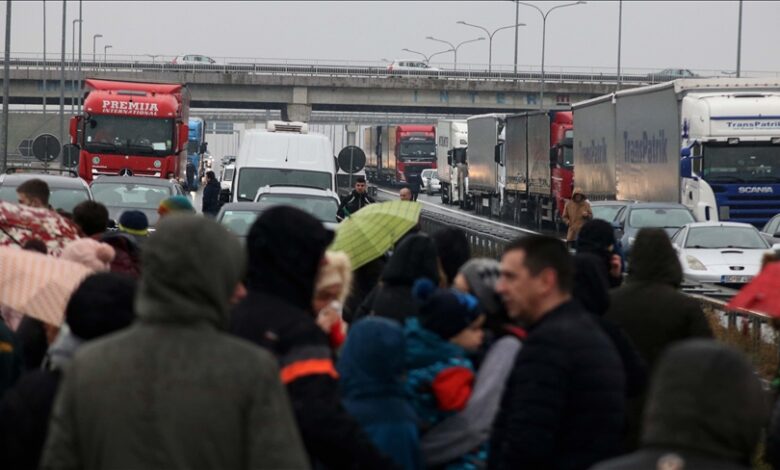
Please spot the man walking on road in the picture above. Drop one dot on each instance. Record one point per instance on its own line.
(356, 200)
(211, 195)
(563, 406)
(576, 212)
(174, 390)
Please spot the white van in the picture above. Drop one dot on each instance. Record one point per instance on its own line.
(284, 154)
(226, 181)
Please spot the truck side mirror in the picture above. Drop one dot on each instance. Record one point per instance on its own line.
(497, 154)
(224, 195)
(75, 129)
(184, 135)
(686, 167)
(204, 147)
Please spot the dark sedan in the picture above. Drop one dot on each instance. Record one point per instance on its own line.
(122, 193)
(66, 192)
(634, 217)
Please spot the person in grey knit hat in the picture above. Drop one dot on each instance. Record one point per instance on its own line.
(478, 277)
(460, 433)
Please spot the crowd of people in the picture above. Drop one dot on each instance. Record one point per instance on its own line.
(187, 349)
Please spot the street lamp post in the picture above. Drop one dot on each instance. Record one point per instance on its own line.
(94, 42)
(490, 38)
(73, 56)
(426, 57)
(44, 58)
(544, 36)
(455, 48)
(105, 52)
(620, 34)
(739, 42)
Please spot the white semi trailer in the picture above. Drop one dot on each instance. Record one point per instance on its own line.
(711, 144)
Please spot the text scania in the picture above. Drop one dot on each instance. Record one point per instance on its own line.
(130, 108)
(595, 153)
(755, 190)
(647, 149)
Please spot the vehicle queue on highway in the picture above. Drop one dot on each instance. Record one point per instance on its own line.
(307, 328)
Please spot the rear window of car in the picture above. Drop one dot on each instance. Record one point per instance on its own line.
(59, 198)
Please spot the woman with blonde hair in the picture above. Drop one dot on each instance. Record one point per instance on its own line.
(331, 290)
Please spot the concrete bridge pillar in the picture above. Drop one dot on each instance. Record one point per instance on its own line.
(299, 109)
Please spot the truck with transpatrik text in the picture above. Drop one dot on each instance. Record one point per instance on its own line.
(132, 128)
(451, 162)
(710, 144)
(394, 153)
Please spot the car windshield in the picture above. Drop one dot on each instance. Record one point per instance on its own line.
(252, 179)
(322, 208)
(429, 174)
(129, 135)
(239, 222)
(660, 218)
(725, 237)
(606, 212)
(742, 163)
(134, 195)
(59, 198)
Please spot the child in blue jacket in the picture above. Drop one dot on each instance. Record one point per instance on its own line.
(371, 369)
(440, 377)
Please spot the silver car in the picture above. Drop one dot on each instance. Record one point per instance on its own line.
(726, 253)
(430, 181)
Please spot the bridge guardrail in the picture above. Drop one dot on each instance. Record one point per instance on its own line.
(333, 71)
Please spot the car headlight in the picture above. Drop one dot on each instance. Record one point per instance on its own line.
(694, 263)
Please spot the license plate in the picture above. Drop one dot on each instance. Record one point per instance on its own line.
(736, 279)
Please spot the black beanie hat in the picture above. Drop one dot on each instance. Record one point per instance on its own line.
(445, 312)
(596, 235)
(102, 304)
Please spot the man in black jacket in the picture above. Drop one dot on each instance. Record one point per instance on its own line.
(563, 406)
(356, 200)
(211, 195)
(286, 248)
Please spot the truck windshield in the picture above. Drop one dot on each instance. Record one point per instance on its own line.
(129, 135)
(252, 179)
(742, 163)
(418, 149)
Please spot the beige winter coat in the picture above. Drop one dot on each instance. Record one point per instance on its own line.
(575, 214)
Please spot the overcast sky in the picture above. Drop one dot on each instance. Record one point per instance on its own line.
(695, 35)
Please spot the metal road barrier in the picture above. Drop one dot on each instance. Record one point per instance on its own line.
(314, 68)
(751, 332)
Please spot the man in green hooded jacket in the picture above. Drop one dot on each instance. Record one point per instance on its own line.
(173, 390)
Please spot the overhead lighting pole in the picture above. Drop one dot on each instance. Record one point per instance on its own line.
(62, 70)
(44, 57)
(490, 38)
(739, 42)
(78, 69)
(455, 48)
(6, 85)
(94, 43)
(620, 32)
(544, 36)
(426, 57)
(73, 59)
(105, 52)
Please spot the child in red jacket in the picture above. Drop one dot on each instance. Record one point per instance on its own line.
(332, 289)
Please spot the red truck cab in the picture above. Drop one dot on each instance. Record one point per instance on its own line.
(562, 157)
(415, 150)
(132, 128)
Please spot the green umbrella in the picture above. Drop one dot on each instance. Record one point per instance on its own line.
(370, 232)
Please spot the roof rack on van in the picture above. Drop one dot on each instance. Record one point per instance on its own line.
(288, 126)
(23, 169)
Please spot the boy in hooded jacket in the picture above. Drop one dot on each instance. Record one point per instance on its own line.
(440, 377)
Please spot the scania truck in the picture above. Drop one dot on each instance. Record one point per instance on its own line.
(451, 162)
(710, 144)
(132, 128)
